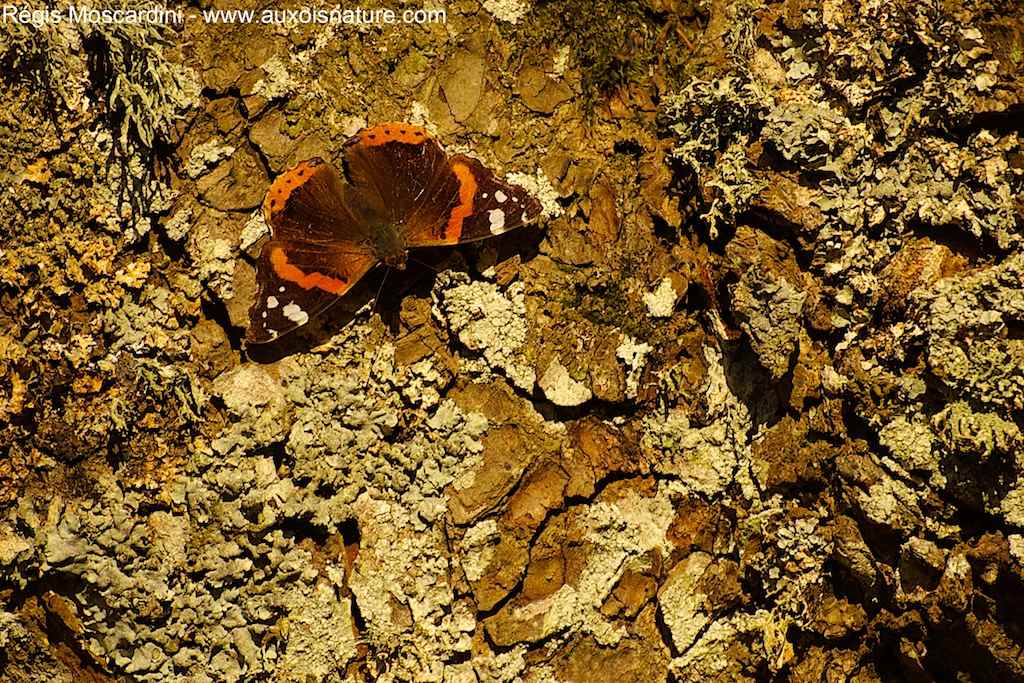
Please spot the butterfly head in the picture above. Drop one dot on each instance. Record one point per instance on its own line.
(389, 247)
(397, 260)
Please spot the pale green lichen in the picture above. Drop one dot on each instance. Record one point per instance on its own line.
(144, 95)
(487, 321)
(911, 444)
(928, 180)
(508, 10)
(708, 456)
(51, 57)
(277, 83)
(148, 92)
(964, 322)
(769, 309)
(258, 408)
(362, 418)
(969, 433)
(149, 322)
(129, 196)
(478, 548)
(792, 570)
(247, 600)
(634, 355)
(178, 225)
(622, 533)
(681, 603)
(661, 302)
(560, 388)
(321, 636)
(891, 503)
(706, 660)
(714, 121)
(217, 266)
(1017, 547)
(255, 229)
(207, 155)
(403, 574)
(540, 187)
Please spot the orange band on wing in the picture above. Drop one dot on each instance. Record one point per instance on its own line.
(391, 132)
(467, 190)
(281, 188)
(287, 271)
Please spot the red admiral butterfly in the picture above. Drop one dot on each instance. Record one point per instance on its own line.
(399, 191)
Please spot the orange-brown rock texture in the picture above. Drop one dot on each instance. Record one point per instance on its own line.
(746, 404)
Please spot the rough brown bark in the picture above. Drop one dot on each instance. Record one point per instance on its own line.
(747, 405)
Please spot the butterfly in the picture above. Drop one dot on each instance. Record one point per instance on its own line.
(398, 191)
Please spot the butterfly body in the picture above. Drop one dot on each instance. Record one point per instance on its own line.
(399, 191)
(389, 246)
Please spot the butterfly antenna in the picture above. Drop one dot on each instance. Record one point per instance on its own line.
(424, 263)
(380, 289)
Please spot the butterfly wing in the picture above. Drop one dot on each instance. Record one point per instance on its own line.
(311, 203)
(323, 227)
(433, 199)
(318, 250)
(393, 165)
(298, 281)
(478, 205)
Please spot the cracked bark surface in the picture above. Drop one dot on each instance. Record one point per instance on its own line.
(747, 405)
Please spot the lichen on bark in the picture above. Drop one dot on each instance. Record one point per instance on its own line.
(744, 404)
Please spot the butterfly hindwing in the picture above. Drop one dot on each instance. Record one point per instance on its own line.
(496, 207)
(299, 280)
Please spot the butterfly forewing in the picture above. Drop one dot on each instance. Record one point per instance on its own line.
(311, 203)
(318, 249)
(397, 165)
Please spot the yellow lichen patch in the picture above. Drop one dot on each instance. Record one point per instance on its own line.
(133, 275)
(38, 172)
(14, 401)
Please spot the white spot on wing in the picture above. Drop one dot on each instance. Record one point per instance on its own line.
(281, 288)
(500, 196)
(483, 195)
(525, 218)
(271, 302)
(295, 314)
(497, 218)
